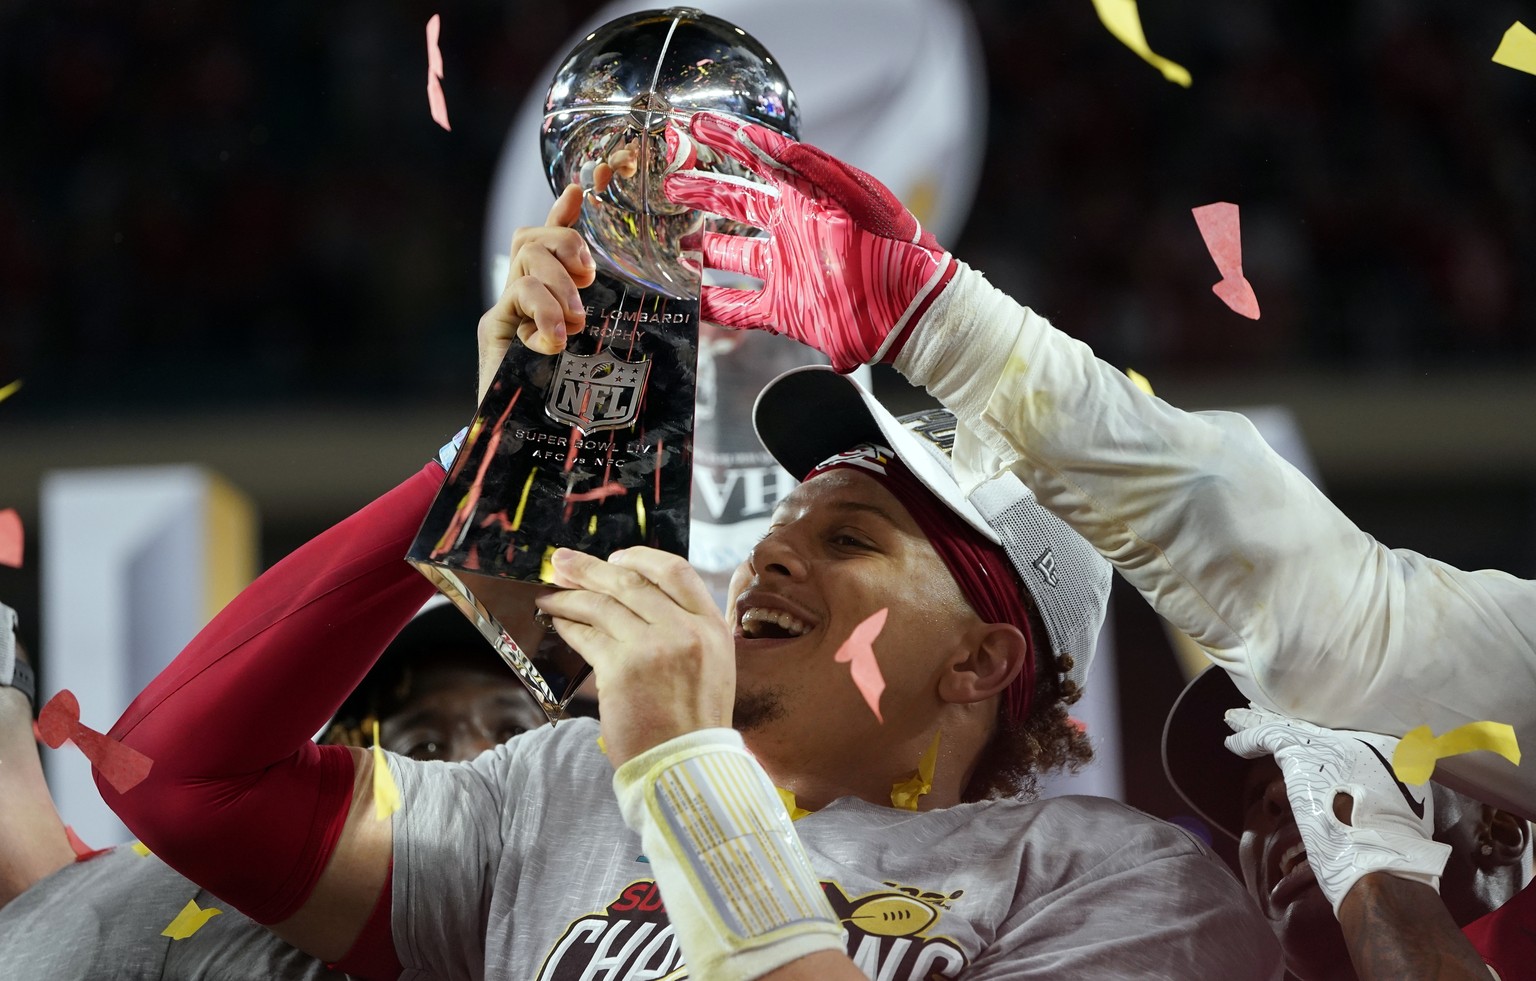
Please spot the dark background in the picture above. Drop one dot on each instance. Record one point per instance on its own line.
(210, 207)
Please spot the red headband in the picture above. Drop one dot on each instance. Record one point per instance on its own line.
(979, 566)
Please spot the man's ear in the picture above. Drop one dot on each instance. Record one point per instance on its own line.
(992, 657)
(1502, 840)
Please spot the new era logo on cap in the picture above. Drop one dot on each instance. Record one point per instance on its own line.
(1045, 564)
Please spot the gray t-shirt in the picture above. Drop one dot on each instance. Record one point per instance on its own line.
(102, 919)
(518, 866)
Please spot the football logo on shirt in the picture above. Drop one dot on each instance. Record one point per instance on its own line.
(888, 936)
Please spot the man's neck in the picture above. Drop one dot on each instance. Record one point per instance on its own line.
(822, 769)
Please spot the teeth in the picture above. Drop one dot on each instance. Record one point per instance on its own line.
(754, 618)
(1291, 857)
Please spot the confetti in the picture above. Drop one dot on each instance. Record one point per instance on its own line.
(1414, 759)
(1517, 50)
(140, 849)
(386, 793)
(83, 852)
(1220, 228)
(1124, 22)
(435, 98)
(189, 921)
(120, 766)
(1139, 380)
(11, 538)
(15, 386)
(906, 794)
(787, 798)
(859, 651)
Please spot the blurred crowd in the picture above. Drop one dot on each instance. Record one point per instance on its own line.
(211, 203)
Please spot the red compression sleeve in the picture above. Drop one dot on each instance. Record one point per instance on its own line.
(372, 956)
(1506, 938)
(240, 800)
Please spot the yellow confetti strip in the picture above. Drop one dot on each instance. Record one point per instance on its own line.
(1416, 754)
(140, 849)
(640, 512)
(1124, 22)
(1517, 51)
(10, 390)
(522, 502)
(189, 921)
(547, 565)
(1139, 380)
(602, 747)
(592, 526)
(386, 793)
(906, 794)
(796, 812)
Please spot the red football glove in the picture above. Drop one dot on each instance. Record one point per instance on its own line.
(845, 268)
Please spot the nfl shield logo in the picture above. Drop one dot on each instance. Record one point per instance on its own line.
(594, 392)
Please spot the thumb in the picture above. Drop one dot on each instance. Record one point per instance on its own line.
(567, 207)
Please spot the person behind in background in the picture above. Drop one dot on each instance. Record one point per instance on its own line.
(1486, 854)
(439, 693)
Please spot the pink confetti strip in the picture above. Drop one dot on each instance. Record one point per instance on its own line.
(122, 767)
(83, 852)
(858, 651)
(1220, 227)
(12, 538)
(436, 101)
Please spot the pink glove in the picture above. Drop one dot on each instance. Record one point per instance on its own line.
(845, 268)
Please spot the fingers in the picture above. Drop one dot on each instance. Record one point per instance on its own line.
(566, 209)
(671, 574)
(736, 309)
(541, 302)
(737, 253)
(682, 153)
(756, 147)
(650, 584)
(723, 194)
(1247, 744)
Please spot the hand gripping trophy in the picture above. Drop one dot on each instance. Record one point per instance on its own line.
(592, 448)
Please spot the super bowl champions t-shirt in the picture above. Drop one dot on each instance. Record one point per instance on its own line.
(518, 866)
(105, 918)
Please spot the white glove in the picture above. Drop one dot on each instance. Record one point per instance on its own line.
(1390, 828)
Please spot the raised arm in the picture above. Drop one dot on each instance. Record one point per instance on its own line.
(239, 799)
(1226, 540)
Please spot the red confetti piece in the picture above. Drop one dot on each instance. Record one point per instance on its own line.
(83, 852)
(1220, 227)
(436, 101)
(858, 651)
(11, 538)
(598, 493)
(120, 766)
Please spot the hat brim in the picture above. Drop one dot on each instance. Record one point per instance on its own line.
(809, 414)
(1204, 772)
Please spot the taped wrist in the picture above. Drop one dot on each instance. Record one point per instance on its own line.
(738, 885)
(1364, 850)
(14, 673)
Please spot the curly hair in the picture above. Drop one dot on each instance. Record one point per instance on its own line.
(1044, 741)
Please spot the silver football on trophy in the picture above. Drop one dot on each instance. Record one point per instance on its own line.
(608, 105)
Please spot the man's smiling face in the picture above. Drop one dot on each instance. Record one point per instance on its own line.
(841, 547)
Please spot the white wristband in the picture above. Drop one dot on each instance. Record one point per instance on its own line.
(738, 885)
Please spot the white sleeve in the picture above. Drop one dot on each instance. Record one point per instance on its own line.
(1310, 615)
